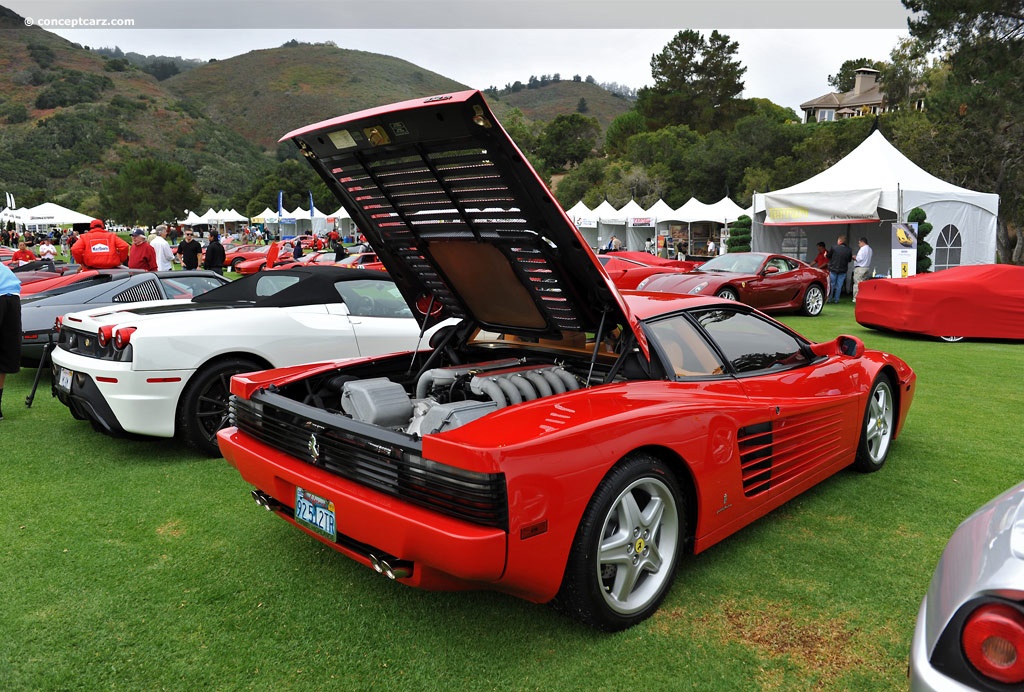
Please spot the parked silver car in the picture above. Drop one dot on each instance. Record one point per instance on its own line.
(970, 629)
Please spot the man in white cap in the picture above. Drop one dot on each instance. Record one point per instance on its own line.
(164, 256)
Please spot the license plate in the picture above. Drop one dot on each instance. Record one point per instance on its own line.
(64, 382)
(315, 513)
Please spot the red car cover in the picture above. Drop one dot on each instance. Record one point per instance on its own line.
(978, 301)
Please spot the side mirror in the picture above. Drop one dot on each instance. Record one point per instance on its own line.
(842, 345)
(771, 270)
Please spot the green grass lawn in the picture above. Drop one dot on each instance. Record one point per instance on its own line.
(133, 564)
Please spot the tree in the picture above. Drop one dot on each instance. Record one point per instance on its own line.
(845, 79)
(977, 110)
(903, 78)
(621, 129)
(568, 140)
(581, 105)
(149, 191)
(694, 79)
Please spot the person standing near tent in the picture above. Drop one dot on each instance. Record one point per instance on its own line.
(189, 250)
(164, 256)
(861, 264)
(99, 248)
(838, 262)
(821, 259)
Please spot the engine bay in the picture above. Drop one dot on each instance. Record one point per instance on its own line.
(450, 387)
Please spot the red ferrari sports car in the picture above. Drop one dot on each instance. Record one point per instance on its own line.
(562, 441)
(978, 302)
(628, 269)
(768, 282)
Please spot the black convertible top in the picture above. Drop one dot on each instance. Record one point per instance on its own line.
(289, 287)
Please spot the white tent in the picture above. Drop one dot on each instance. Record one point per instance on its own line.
(268, 215)
(661, 212)
(693, 210)
(581, 215)
(191, 219)
(725, 211)
(862, 195)
(639, 225)
(51, 214)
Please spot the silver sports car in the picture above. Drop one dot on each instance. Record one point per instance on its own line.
(970, 629)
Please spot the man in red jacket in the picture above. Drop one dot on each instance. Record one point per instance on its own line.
(99, 248)
(141, 254)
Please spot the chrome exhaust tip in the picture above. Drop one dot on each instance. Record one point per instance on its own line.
(375, 563)
(391, 567)
(262, 499)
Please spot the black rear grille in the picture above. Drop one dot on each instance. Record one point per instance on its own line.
(145, 291)
(386, 466)
(755, 442)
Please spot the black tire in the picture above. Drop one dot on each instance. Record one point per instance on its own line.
(203, 409)
(814, 301)
(879, 426)
(623, 558)
(728, 293)
(235, 262)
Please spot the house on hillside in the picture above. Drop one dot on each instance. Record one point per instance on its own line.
(866, 98)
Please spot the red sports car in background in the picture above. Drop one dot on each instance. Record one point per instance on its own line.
(236, 254)
(363, 260)
(259, 258)
(563, 441)
(310, 259)
(976, 302)
(628, 269)
(768, 282)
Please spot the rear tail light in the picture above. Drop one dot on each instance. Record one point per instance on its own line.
(122, 337)
(993, 641)
(105, 334)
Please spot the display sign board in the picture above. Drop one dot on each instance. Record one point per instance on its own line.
(904, 249)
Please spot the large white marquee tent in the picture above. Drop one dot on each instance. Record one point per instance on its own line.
(862, 195)
(633, 224)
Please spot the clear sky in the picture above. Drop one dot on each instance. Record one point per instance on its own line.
(789, 47)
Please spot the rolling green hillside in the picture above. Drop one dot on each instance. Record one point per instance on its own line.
(265, 94)
(544, 103)
(69, 117)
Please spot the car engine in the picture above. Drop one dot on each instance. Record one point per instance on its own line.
(448, 397)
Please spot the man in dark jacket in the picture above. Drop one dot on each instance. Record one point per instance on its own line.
(189, 250)
(214, 259)
(838, 262)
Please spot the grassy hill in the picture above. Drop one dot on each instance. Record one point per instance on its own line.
(544, 103)
(265, 94)
(69, 117)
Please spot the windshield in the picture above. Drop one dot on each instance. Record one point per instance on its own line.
(739, 263)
